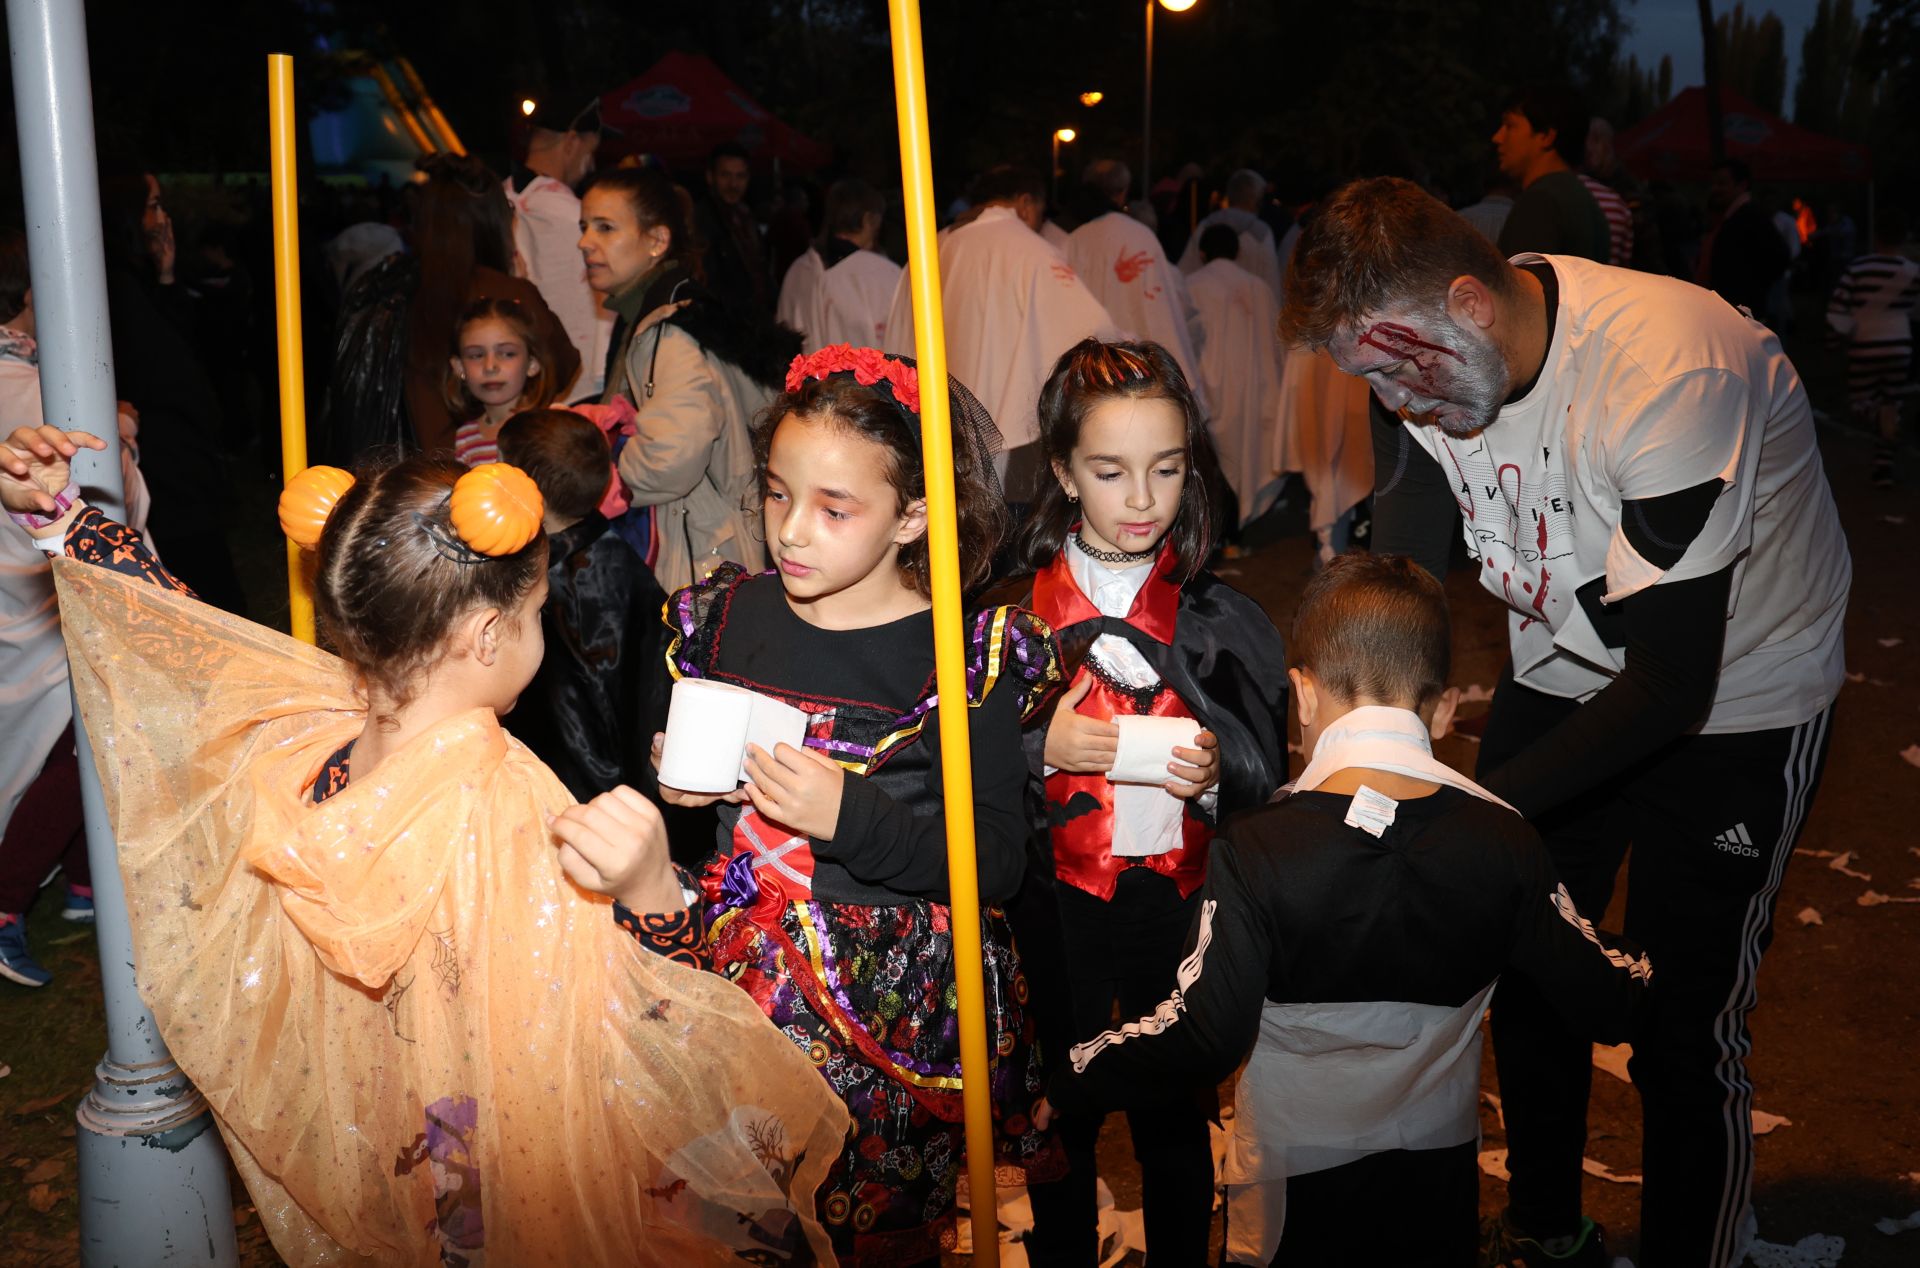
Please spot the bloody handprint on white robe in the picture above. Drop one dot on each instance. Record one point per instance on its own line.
(1011, 304)
(1123, 264)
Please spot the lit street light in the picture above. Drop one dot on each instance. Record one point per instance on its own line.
(1146, 126)
(526, 106)
(1061, 136)
(1092, 98)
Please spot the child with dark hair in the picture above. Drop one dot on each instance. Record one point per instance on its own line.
(1115, 544)
(374, 929)
(1218, 242)
(830, 882)
(599, 693)
(1349, 937)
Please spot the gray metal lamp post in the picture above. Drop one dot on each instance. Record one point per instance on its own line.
(153, 1174)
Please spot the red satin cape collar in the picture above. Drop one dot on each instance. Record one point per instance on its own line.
(1059, 601)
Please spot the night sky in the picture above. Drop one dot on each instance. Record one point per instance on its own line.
(1672, 27)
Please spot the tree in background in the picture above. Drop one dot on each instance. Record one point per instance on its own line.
(1834, 93)
(1710, 55)
(1356, 87)
(1889, 54)
(1632, 92)
(1753, 56)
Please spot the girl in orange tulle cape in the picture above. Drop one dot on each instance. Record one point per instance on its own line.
(422, 1042)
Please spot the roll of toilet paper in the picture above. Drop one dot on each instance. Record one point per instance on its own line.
(1146, 746)
(710, 724)
(707, 724)
(771, 723)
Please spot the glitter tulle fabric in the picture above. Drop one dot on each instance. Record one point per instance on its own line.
(421, 1043)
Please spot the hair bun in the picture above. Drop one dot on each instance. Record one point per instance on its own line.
(308, 500)
(496, 509)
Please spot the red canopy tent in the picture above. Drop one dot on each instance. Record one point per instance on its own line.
(685, 105)
(1671, 144)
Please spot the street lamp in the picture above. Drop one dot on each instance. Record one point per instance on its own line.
(526, 106)
(1146, 126)
(1092, 98)
(1061, 136)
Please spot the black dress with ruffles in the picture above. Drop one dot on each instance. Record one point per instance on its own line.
(846, 943)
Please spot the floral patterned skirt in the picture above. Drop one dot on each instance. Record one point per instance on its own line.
(868, 993)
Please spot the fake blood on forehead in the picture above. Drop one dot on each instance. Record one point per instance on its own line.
(1403, 341)
(1405, 344)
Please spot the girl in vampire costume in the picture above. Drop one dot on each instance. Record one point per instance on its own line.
(1116, 541)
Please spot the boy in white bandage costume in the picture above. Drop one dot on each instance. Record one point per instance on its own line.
(1350, 936)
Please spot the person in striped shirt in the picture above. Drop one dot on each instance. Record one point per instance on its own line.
(1607, 181)
(1871, 313)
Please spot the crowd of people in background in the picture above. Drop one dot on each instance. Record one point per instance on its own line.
(709, 381)
(762, 243)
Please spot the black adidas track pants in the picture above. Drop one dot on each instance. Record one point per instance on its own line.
(1712, 820)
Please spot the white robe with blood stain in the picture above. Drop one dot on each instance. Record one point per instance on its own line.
(1012, 304)
(853, 302)
(1240, 365)
(1123, 264)
(1258, 254)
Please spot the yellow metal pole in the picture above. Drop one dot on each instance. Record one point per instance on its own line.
(286, 308)
(435, 119)
(408, 120)
(949, 646)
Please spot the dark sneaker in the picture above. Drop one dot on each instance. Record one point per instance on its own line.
(1504, 1246)
(16, 962)
(79, 908)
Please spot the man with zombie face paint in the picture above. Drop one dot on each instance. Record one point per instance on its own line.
(1633, 464)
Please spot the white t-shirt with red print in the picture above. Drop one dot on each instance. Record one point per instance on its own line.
(1652, 385)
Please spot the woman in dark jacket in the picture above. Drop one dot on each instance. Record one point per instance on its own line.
(157, 371)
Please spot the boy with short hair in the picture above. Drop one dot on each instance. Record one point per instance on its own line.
(600, 694)
(1350, 936)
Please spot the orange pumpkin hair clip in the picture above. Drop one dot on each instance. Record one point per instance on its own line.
(308, 500)
(496, 509)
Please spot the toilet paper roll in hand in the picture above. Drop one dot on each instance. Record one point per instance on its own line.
(710, 724)
(1146, 746)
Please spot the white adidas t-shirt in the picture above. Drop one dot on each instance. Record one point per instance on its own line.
(1651, 386)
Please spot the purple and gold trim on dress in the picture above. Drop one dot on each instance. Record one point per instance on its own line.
(1001, 640)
